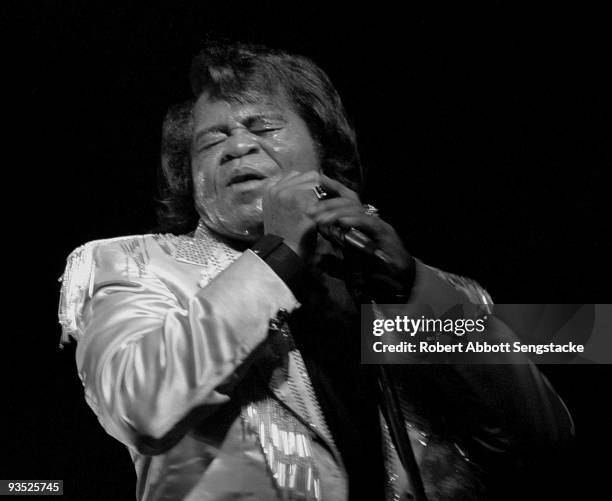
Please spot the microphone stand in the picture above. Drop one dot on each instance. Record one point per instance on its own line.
(392, 411)
(390, 402)
(356, 243)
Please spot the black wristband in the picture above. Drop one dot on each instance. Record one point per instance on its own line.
(266, 245)
(280, 257)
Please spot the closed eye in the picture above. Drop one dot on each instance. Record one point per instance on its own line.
(263, 125)
(213, 143)
(260, 131)
(207, 145)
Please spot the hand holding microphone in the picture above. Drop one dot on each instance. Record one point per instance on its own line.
(351, 237)
(299, 205)
(340, 217)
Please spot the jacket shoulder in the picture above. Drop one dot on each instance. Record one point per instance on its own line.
(128, 256)
(475, 292)
(434, 286)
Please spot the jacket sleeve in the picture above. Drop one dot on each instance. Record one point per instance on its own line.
(147, 360)
(505, 408)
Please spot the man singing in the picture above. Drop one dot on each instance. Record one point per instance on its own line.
(224, 351)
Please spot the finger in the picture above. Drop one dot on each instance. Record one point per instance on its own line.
(370, 225)
(311, 177)
(299, 183)
(331, 204)
(302, 191)
(331, 216)
(338, 188)
(280, 181)
(286, 178)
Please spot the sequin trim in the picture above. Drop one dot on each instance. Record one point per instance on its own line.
(77, 283)
(78, 280)
(287, 449)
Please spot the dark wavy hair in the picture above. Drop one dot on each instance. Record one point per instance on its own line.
(246, 73)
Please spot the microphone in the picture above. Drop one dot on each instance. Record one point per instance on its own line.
(355, 239)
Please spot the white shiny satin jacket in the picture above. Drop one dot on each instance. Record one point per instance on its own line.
(168, 328)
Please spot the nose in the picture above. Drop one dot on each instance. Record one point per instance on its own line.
(240, 143)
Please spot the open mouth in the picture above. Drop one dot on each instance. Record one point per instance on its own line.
(246, 177)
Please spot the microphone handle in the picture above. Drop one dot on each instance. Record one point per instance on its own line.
(355, 239)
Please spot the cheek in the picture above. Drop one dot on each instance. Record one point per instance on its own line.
(305, 157)
(204, 178)
(298, 154)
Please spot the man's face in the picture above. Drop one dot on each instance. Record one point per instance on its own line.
(237, 150)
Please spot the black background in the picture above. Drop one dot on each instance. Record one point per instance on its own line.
(483, 128)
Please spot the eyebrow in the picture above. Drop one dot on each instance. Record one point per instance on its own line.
(247, 122)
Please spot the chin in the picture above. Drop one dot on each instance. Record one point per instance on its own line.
(249, 229)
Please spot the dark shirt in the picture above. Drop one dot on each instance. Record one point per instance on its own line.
(326, 331)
